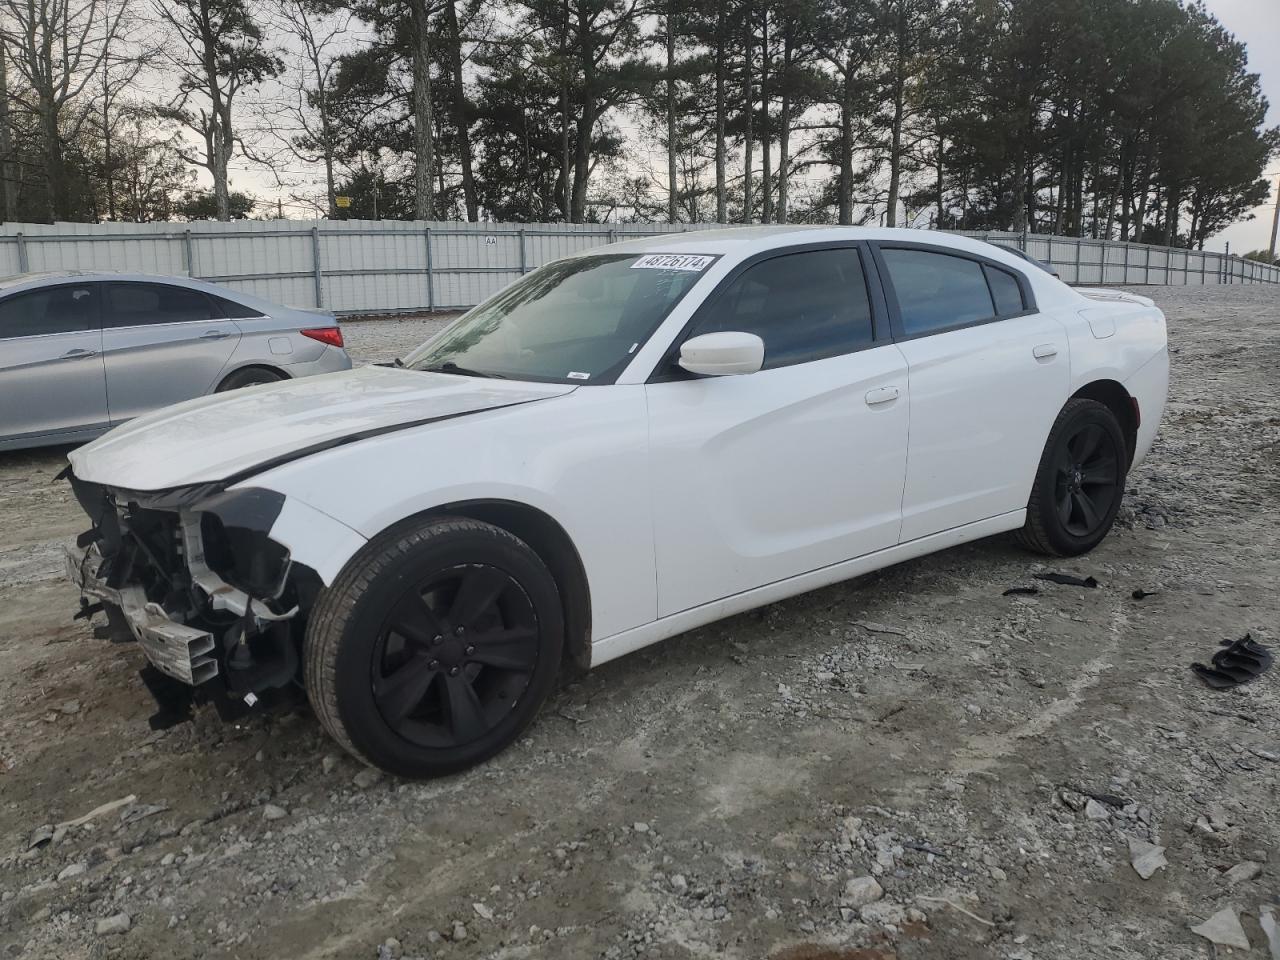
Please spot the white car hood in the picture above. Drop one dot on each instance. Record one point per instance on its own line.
(216, 437)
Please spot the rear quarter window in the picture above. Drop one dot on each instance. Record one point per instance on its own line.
(1005, 291)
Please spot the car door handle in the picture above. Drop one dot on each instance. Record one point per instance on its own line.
(881, 395)
(1045, 351)
(215, 335)
(78, 354)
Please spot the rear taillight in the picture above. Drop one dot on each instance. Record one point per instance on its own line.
(1137, 413)
(330, 335)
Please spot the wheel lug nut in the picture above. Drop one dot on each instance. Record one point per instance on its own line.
(453, 671)
(470, 651)
(459, 631)
(433, 664)
(437, 640)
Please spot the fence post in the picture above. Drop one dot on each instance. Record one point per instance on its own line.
(431, 281)
(315, 265)
(1126, 262)
(23, 264)
(523, 263)
(188, 253)
(1146, 270)
(1079, 244)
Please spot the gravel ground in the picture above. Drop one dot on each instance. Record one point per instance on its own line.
(907, 765)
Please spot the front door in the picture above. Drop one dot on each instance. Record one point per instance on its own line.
(762, 477)
(52, 381)
(163, 343)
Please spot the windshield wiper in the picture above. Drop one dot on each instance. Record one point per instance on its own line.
(450, 367)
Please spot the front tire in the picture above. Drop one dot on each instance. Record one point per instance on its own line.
(435, 647)
(1079, 483)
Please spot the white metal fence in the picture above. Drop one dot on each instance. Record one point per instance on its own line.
(384, 266)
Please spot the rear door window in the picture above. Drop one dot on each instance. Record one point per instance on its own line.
(141, 304)
(937, 291)
(804, 306)
(62, 309)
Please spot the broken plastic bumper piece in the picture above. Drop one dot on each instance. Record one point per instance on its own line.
(175, 649)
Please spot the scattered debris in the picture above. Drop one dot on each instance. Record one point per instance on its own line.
(1224, 929)
(99, 811)
(140, 811)
(366, 778)
(1146, 857)
(956, 907)
(482, 911)
(1021, 592)
(41, 836)
(1143, 594)
(1239, 662)
(1067, 580)
(1242, 872)
(872, 627)
(273, 812)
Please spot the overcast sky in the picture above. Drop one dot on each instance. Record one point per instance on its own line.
(1257, 23)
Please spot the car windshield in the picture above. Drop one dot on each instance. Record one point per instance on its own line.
(573, 321)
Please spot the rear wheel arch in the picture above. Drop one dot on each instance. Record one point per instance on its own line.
(1113, 395)
(229, 379)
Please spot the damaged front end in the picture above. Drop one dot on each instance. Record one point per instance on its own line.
(193, 575)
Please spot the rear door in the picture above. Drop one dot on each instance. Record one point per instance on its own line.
(162, 343)
(988, 375)
(52, 379)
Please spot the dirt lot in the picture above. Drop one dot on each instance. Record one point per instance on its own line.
(986, 758)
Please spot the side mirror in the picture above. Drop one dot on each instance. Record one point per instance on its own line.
(722, 354)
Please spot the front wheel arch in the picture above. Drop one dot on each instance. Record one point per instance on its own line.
(551, 542)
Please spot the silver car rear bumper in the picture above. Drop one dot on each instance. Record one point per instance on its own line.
(176, 649)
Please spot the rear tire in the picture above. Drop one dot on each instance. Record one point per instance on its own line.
(435, 647)
(248, 377)
(1079, 483)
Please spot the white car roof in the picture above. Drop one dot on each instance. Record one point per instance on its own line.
(743, 242)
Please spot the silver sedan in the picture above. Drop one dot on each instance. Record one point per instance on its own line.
(82, 352)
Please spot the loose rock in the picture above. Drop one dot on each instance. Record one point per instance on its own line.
(1224, 929)
(860, 891)
(109, 926)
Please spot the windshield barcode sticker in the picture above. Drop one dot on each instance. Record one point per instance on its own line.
(694, 263)
(578, 375)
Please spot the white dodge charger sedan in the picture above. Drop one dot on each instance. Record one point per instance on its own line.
(618, 447)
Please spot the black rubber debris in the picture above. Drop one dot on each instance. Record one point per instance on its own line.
(1238, 662)
(1067, 580)
(1021, 592)
(1143, 594)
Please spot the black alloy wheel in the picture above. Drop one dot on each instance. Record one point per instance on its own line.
(435, 646)
(455, 655)
(1088, 470)
(1079, 483)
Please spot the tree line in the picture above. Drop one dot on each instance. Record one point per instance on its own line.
(1130, 119)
